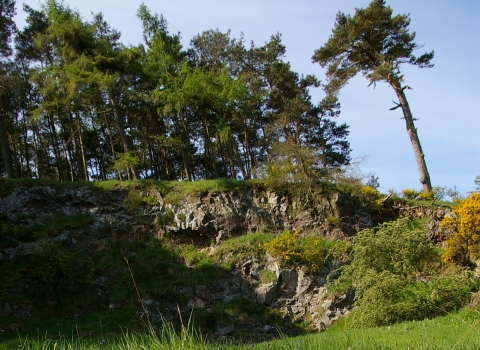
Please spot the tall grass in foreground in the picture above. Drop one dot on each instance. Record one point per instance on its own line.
(460, 331)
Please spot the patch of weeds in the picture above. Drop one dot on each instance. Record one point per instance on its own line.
(207, 272)
(268, 276)
(167, 219)
(181, 216)
(334, 221)
(237, 249)
(419, 223)
(190, 254)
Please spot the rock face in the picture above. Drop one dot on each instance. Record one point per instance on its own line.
(204, 220)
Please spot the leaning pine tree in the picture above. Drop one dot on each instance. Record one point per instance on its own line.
(376, 44)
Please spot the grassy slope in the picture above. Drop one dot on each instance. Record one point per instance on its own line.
(456, 331)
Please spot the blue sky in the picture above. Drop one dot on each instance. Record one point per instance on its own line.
(445, 98)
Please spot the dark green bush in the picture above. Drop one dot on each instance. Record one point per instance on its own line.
(385, 270)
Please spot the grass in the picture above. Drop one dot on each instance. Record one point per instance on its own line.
(50, 226)
(237, 249)
(431, 204)
(455, 331)
(175, 189)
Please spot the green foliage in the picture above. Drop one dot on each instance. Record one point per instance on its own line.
(53, 226)
(291, 249)
(437, 193)
(136, 198)
(58, 271)
(375, 43)
(456, 329)
(334, 221)
(49, 226)
(156, 267)
(167, 218)
(373, 182)
(463, 243)
(454, 195)
(397, 247)
(191, 255)
(371, 198)
(267, 276)
(385, 264)
(237, 249)
(410, 193)
(179, 190)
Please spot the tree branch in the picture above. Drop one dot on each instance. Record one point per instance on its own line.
(397, 105)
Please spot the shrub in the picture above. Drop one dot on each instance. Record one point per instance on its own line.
(284, 246)
(391, 299)
(454, 195)
(395, 246)
(292, 249)
(385, 264)
(437, 193)
(373, 182)
(371, 198)
(463, 245)
(410, 193)
(313, 254)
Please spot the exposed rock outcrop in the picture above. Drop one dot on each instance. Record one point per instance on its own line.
(204, 220)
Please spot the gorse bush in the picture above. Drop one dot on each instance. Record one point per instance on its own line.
(386, 265)
(371, 198)
(410, 193)
(463, 245)
(284, 247)
(437, 193)
(290, 248)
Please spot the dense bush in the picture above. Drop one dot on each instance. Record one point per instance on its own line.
(463, 245)
(290, 248)
(392, 270)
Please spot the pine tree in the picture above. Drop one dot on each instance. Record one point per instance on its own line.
(376, 44)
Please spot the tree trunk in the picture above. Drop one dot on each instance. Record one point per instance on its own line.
(6, 154)
(412, 133)
(123, 135)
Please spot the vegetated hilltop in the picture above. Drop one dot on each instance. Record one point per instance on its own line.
(244, 259)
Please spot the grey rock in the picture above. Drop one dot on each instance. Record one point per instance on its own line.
(287, 281)
(222, 331)
(266, 293)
